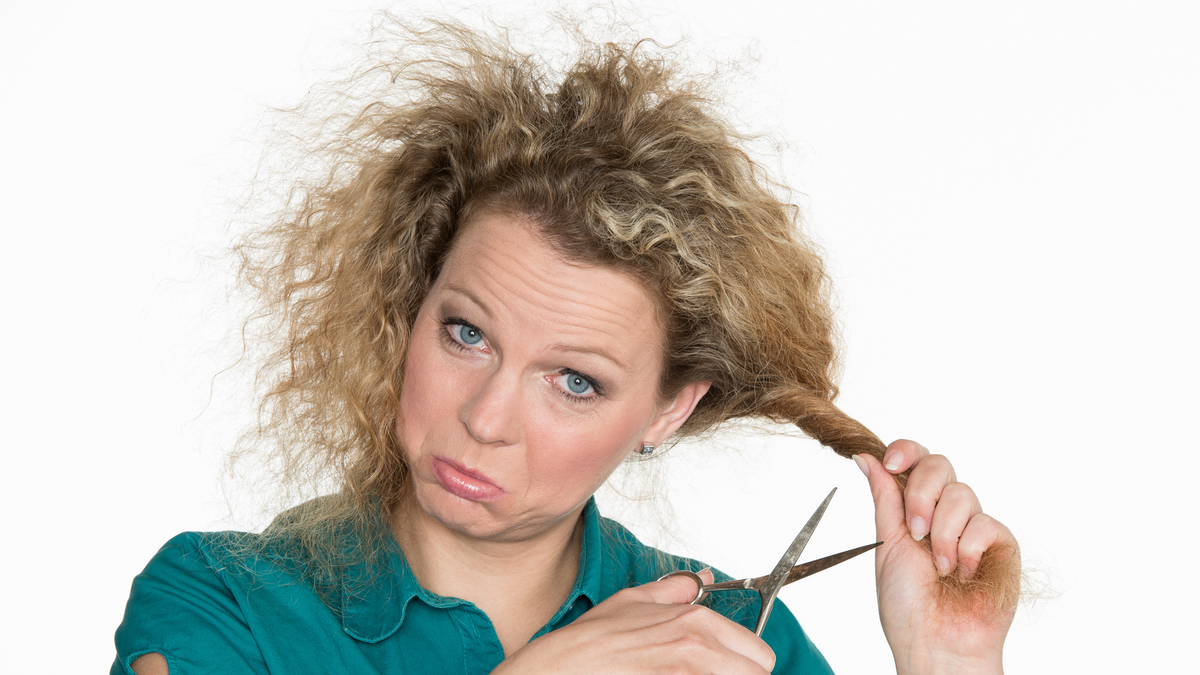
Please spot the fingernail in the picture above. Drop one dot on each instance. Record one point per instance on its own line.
(891, 463)
(706, 569)
(918, 527)
(943, 565)
(862, 464)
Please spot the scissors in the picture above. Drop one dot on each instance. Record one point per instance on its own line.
(784, 573)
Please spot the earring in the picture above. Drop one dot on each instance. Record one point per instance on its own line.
(647, 450)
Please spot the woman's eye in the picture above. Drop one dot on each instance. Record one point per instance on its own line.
(469, 335)
(575, 384)
(462, 335)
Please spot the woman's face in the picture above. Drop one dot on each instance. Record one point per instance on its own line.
(528, 380)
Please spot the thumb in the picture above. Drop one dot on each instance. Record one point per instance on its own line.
(676, 588)
(889, 501)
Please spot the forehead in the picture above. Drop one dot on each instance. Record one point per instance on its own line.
(502, 263)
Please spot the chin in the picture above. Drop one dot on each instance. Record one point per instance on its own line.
(470, 518)
(485, 521)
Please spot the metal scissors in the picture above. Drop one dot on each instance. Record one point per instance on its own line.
(784, 572)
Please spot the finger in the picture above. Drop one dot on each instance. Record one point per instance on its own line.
(925, 484)
(739, 663)
(889, 503)
(957, 505)
(760, 660)
(902, 454)
(672, 590)
(699, 652)
(982, 532)
(733, 638)
(715, 661)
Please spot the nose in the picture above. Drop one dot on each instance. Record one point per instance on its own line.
(491, 415)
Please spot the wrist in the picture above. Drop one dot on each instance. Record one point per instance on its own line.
(934, 662)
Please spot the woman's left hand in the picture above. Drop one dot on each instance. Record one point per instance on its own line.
(928, 630)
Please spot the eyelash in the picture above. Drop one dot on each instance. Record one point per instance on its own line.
(597, 390)
(448, 336)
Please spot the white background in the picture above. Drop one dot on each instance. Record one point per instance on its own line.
(1006, 193)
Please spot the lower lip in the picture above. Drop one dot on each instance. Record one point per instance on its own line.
(465, 485)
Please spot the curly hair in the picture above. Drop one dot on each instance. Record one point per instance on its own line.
(619, 161)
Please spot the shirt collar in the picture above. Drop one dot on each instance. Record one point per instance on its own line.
(376, 593)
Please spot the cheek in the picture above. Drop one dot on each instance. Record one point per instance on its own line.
(424, 399)
(583, 456)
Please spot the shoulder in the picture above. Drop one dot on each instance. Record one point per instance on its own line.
(190, 559)
(626, 561)
(182, 602)
(238, 602)
(209, 561)
(217, 598)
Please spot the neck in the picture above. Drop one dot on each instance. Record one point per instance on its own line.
(519, 584)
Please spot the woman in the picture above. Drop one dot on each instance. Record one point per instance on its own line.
(504, 289)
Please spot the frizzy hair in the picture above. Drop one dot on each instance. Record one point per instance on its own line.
(618, 162)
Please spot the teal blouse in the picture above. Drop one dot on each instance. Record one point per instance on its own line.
(209, 613)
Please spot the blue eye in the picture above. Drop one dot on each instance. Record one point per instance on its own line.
(576, 384)
(469, 334)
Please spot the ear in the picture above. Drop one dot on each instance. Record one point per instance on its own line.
(675, 413)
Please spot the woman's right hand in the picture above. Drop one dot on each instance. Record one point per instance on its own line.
(647, 629)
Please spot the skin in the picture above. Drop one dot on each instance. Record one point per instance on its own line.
(925, 637)
(505, 330)
(502, 406)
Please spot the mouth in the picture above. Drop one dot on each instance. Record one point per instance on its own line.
(463, 482)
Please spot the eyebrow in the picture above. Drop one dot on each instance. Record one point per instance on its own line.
(460, 290)
(558, 346)
(594, 351)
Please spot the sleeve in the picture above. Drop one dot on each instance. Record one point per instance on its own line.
(180, 607)
(795, 654)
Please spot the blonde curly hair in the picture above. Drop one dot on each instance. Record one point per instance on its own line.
(619, 162)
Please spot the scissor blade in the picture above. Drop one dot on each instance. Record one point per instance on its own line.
(798, 572)
(779, 575)
(810, 568)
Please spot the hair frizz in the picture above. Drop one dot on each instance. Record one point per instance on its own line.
(617, 161)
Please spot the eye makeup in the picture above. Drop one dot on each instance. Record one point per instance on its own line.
(465, 336)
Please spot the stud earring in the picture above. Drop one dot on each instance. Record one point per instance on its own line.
(647, 450)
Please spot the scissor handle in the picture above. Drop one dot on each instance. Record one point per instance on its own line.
(701, 591)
